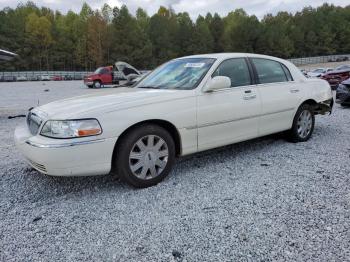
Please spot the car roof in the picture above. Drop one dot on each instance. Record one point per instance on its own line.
(223, 56)
(228, 55)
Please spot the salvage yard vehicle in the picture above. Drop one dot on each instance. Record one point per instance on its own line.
(121, 72)
(56, 78)
(337, 76)
(318, 72)
(187, 105)
(22, 78)
(343, 93)
(44, 78)
(6, 55)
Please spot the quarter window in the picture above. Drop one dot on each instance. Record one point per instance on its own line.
(269, 71)
(236, 69)
(288, 74)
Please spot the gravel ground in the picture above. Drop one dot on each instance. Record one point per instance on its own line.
(260, 200)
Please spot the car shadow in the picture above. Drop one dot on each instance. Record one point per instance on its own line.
(59, 186)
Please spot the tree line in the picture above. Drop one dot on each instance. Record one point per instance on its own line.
(49, 40)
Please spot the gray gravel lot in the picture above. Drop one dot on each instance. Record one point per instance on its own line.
(260, 200)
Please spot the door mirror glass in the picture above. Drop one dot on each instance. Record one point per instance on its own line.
(217, 82)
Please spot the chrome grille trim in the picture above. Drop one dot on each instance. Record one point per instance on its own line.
(38, 166)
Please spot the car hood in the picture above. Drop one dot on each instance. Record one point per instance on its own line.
(313, 74)
(107, 101)
(334, 72)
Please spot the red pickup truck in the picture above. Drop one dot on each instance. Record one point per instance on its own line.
(111, 75)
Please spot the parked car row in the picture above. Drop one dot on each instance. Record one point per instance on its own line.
(22, 78)
(337, 76)
(334, 77)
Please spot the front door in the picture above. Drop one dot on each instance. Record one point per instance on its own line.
(232, 114)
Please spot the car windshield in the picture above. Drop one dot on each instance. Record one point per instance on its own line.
(181, 74)
(318, 70)
(98, 70)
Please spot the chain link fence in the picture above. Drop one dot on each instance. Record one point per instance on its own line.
(79, 75)
(42, 75)
(319, 59)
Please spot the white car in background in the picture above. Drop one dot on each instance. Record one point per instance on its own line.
(44, 78)
(22, 78)
(187, 105)
(318, 72)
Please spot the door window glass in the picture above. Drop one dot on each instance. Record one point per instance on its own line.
(236, 69)
(269, 71)
(288, 74)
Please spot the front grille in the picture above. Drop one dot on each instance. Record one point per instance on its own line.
(33, 122)
(38, 166)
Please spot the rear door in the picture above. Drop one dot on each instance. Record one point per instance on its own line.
(280, 95)
(231, 114)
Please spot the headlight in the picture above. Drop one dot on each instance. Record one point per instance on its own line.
(71, 128)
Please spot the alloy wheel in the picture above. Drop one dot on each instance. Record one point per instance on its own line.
(304, 124)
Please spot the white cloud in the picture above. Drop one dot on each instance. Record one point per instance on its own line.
(193, 7)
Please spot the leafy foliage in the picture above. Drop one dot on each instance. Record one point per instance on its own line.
(48, 40)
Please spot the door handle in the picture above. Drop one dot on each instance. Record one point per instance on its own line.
(249, 97)
(294, 90)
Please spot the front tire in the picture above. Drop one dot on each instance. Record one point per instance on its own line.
(96, 84)
(145, 156)
(303, 124)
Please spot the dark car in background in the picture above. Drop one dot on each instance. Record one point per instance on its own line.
(343, 93)
(338, 75)
(9, 79)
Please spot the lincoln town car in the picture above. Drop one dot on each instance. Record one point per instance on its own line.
(184, 106)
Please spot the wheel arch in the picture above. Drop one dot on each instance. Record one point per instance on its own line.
(319, 108)
(309, 102)
(173, 131)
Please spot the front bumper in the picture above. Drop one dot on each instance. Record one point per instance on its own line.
(88, 83)
(65, 157)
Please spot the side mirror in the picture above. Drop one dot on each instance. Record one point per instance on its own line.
(216, 83)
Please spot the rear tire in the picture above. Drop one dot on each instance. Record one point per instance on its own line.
(303, 124)
(144, 156)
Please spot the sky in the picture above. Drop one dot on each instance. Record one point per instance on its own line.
(193, 7)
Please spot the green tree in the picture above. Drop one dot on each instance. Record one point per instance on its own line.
(162, 33)
(130, 43)
(216, 26)
(184, 36)
(203, 39)
(241, 32)
(38, 31)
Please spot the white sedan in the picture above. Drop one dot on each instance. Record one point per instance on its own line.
(187, 105)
